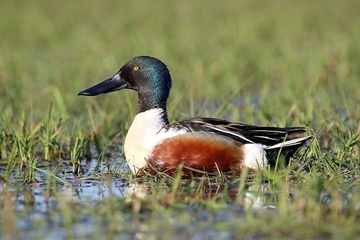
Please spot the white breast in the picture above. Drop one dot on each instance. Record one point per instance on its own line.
(145, 132)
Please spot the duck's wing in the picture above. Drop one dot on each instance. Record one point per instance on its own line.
(241, 132)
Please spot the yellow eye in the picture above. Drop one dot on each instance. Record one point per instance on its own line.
(136, 68)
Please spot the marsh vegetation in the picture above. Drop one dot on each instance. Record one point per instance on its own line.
(62, 171)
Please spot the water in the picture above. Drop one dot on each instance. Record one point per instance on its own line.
(98, 206)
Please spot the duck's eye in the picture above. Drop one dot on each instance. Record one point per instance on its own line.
(136, 68)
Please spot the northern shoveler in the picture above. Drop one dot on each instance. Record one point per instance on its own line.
(203, 145)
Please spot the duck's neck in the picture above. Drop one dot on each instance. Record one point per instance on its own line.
(148, 102)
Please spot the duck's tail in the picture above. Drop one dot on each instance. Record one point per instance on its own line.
(285, 149)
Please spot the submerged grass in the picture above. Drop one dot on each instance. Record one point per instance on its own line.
(274, 64)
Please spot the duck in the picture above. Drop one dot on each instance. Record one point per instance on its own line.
(195, 146)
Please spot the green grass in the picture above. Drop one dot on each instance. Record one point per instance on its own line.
(270, 63)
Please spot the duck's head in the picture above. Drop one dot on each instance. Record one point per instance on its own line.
(147, 75)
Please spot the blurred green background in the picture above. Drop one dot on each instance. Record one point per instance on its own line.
(283, 62)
